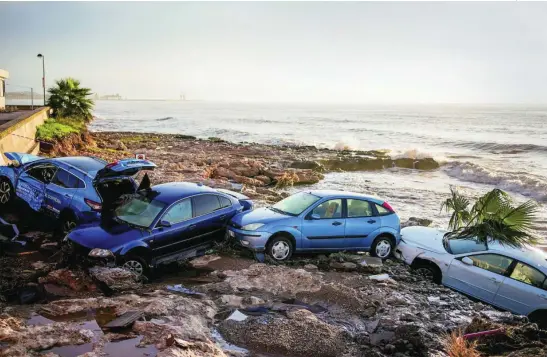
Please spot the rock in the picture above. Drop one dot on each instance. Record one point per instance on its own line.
(371, 262)
(231, 300)
(203, 261)
(299, 334)
(310, 165)
(265, 179)
(413, 221)
(119, 145)
(75, 280)
(117, 279)
(311, 267)
(381, 337)
(349, 266)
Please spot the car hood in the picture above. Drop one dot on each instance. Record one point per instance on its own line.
(104, 236)
(424, 237)
(259, 215)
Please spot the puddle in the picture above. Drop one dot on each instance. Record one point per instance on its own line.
(70, 351)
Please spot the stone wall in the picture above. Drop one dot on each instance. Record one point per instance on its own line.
(19, 134)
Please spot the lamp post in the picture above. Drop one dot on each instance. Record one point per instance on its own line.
(43, 75)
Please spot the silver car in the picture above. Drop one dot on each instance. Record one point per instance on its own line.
(509, 278)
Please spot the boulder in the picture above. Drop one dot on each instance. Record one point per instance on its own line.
(307, 164)
(75, 280)
(117, 279)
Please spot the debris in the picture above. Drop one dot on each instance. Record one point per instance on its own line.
(237, 316)
(181, 289)
(379, 337)
(498, 331)
(29, 294)
(8, 231)
(379, 277)
(311, 267)
(125, 319)
(75, 280)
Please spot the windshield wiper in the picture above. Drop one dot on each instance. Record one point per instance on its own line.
(123, 221)
(281, 211)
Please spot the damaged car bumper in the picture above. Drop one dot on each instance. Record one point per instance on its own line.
(253, 240)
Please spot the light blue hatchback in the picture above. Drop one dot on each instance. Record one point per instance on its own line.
(319, 221)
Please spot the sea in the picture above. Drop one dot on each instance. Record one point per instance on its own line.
(479, 147)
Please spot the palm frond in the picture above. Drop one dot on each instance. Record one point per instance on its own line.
(458, 204)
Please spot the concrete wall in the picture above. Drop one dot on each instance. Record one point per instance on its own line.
(19, 135)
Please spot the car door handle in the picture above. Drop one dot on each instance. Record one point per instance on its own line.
(192, 227)
(495, 280)
(222, 217)
(336, 223)
(371, 221)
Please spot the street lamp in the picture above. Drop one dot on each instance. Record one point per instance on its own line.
(43, 75)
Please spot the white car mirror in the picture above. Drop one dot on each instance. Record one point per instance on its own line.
(467, 261)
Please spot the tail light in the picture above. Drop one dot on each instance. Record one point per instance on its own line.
(112, 164)
(95, 206)
(388, 207)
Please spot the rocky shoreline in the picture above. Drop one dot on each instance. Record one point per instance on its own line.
(262, 169)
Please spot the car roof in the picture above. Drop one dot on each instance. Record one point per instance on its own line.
(345, 194)
(82, 163)
(174, 191)
(527, 254)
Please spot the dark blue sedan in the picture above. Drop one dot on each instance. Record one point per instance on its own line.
(166, 223)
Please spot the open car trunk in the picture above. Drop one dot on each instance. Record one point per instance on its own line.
(114, 181)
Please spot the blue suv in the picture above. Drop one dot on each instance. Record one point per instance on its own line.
(316, 221)
(74, 190)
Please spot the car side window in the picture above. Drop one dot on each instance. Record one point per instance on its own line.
(224, 202)
(65, 179)
(492, 262)
(329, 209)
(382, 211)
(204, 204)
(43, 172)
(359, 208)
(180, 212)
(528, 275)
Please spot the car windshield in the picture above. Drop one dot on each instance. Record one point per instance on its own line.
(295, 204)
(139, 210)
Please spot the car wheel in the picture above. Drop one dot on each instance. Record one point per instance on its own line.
(137, 265)
(382, 247)
(428, 272)
(280, 248)
(68, 222)
(6, 191)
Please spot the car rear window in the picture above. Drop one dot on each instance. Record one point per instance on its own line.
(462, 246)
(382, 211)
(205, 204)
(359, 208)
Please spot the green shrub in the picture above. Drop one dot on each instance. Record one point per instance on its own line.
(56, 129)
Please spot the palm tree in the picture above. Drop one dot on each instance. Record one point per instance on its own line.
(493, 217)
(68, 99)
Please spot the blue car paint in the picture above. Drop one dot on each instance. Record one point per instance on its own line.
(54, 199)
(159, 242)
(358, 234)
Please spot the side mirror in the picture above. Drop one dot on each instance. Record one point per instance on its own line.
(165, 224)
(467, 261)
(315, 216)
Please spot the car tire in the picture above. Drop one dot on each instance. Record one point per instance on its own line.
(67, 222)
(382, 247)
(280, 248)
(539, 317)
(429, 272)
(7, 193)
(138, 265)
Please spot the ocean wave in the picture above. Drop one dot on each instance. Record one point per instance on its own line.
(499, 148)
(518, 182)
(411, 154)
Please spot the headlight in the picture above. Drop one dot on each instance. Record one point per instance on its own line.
(100, 253)
(252, 226)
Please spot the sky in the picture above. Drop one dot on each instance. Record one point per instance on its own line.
(308, 52)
